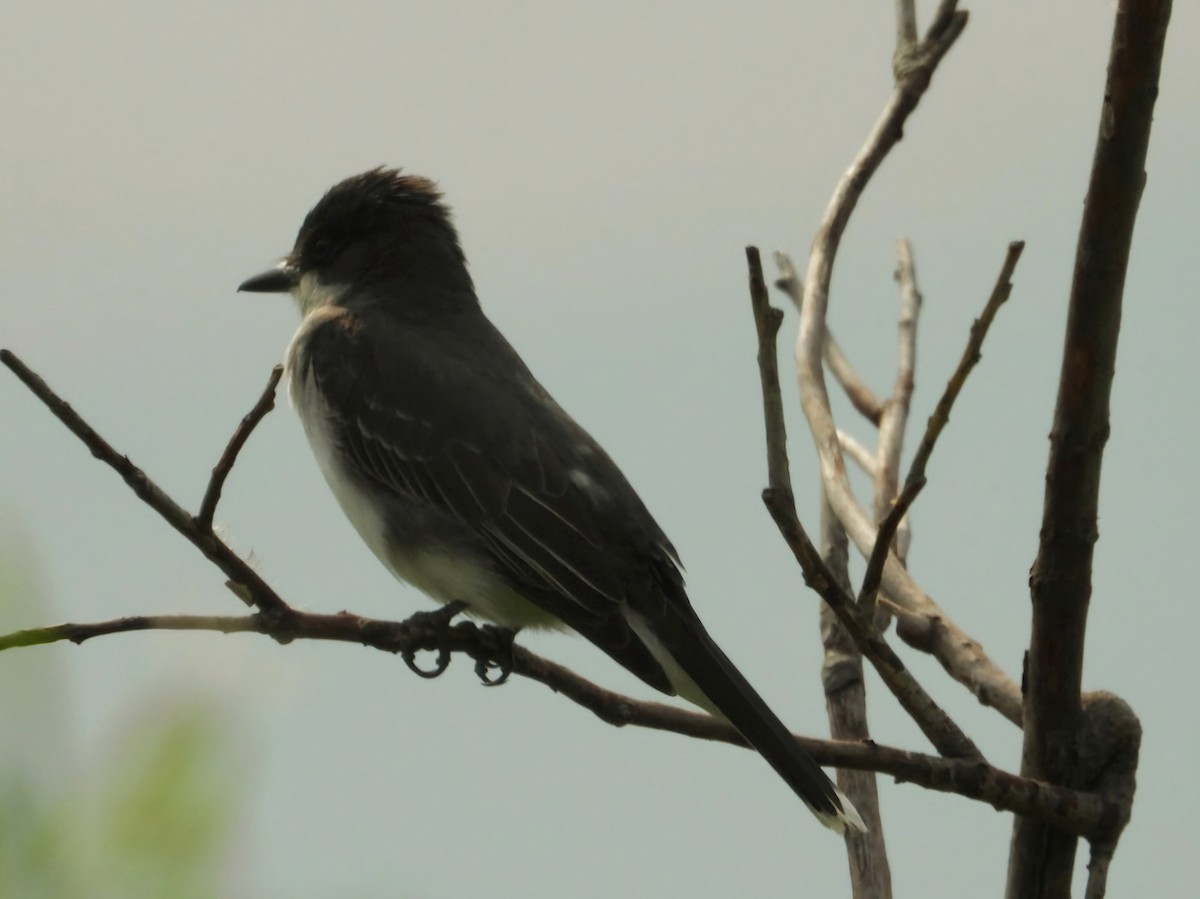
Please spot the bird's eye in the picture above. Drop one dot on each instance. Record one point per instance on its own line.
(321, 249)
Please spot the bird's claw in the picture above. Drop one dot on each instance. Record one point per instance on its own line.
(438, 621)
(443, 662)
(501, 662)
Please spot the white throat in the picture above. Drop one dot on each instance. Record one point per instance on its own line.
(311, 294)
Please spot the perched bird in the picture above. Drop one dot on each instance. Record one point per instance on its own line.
(467, 479)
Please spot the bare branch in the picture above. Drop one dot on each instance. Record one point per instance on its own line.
(915, 481)
(972, 778)
(846, 707)
(906, 28)
(894, 421)
(788, 280)
(767, 320)
(1041, 861)
(212, 496)
(859, 454)
(943, 19)
(78, 633)
(962, 657)
(895, 417)
(933, 721)
(926, 627)
(151, 494)
(861, 396)
(910, 87)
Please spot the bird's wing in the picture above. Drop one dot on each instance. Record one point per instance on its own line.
(416, 414)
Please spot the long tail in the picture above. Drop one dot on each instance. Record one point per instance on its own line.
(724, 689)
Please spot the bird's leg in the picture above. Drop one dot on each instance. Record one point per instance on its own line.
(500, 657)
(437, 621)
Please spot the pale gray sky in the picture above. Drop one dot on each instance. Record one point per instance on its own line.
(607, 163)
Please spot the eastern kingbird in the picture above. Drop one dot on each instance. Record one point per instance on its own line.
(467, 479)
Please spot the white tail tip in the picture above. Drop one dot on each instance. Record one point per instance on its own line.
(848, 817)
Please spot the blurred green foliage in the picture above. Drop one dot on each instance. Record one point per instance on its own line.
(149, 815)
(153, 820)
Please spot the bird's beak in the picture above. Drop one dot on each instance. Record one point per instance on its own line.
(280, 279)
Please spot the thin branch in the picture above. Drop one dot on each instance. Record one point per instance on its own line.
(915, 480)
(213, 548)
(971, 778)
(895, 418)
(859, 454)
(1041, 861)
(906, 28)
(927, 627)
(788, 280)
(943, 16)
(933, 721)
(212, 496)
(910, 87)
(861, 396)
(894, 421)
(767, 320)
(78, 633)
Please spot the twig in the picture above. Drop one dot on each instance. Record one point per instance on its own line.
(859, 454)
(972, 778)
(1041, 860)
(943, 17)
(910, 87)
(933, 721)
(915, 480)
(860, 395)
(214, 549)
(906, 27)
(894, 421)
(212, 496)
(767, 320)
(895, 418)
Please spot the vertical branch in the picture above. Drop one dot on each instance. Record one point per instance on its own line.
(894, 420)
(939, 727)
(895, 416)
(767, 320)
(906, 30)
(846, 707)
(1041, 858)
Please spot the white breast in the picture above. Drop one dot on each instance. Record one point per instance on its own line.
(432, 571)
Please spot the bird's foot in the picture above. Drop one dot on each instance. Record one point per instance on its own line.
(500, 657)
(437, 621)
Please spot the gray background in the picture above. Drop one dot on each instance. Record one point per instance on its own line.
(607, 163)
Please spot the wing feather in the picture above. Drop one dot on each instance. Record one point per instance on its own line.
(492, 452)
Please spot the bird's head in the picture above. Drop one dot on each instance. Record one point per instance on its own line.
(386, 235)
